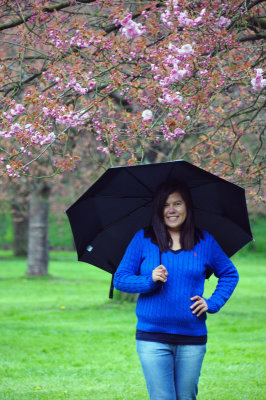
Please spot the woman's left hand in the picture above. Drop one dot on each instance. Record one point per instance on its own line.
(200, 305)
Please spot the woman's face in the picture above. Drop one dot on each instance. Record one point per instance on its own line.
(174, 212)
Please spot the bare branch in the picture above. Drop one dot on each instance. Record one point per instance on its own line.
(255, 3)
(49, 9)
(252, 38)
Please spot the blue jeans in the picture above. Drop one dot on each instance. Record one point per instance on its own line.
(171, 371)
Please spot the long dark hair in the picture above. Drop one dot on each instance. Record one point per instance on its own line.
(158, 232)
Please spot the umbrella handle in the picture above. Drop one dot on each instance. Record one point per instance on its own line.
(111, 291)
(160, 262)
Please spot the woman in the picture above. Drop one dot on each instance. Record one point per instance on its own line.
(167, 264)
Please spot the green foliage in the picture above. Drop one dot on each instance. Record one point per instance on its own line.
(6, 229)
(62, 338)
(258, 228)
(60, 234)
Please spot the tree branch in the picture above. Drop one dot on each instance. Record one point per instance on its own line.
(259, 22)
(256, 2)
(49, 9)
(252, 38)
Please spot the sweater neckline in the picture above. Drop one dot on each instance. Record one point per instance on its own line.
(176, 251)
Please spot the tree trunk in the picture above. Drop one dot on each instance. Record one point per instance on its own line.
(20, 221)
(38, 247)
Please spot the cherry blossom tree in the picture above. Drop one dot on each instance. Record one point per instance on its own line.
(181, 79)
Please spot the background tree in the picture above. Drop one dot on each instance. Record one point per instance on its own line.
(161, 79)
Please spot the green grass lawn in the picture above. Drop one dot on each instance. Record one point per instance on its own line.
(62, 338)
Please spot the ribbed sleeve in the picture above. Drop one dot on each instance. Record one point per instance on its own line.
(226, 273)
(126, 278)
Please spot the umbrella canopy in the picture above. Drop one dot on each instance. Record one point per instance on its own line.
(105, 218)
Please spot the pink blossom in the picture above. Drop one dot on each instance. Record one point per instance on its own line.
(172, 48)
(15, 128)
(173, 3)
(19, 109)
(10, 171)
(186, 50)
(179, 132)
(36, 137)
(78, 88)
(203, 72)
(130, 28)
(240, 172)
(92, 84)
(154, 68)
(258, 83)
(46, 111)
(71, 83)
(126, 20)
(47, 139)
(7, 116)
(71, 119)
(5, 134)
(179, 74)
(165, 81)
(103, 149)
(224, 22)
(183, 19)
(171, 99)
(29, 127)
(165, 18)
(199, 19)
(169, 135)
(81, 43)
(147, 116)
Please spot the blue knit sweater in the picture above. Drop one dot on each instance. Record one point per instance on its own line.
(165, 307)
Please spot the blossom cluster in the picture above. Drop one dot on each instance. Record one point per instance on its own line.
(66, 117)
(184, 54)
(12, 171)
(175, 12)
(131, 29)
(72, 83)
(147, 116)
(170, 98)
(182, 16)
(258, 83)
(29, 134)
(223, 22)
(77, 86)
(177, 65)
(16, 109)
(88, 83)
(58, 40)
(171, 135)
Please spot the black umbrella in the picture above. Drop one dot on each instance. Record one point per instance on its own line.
(105, 218)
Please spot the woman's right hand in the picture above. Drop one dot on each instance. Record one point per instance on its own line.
(159, 274)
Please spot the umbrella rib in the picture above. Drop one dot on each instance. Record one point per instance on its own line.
(120, 219)
(170, 172)
(216, 214)
(139, 181)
